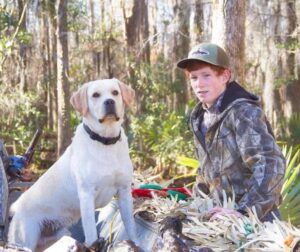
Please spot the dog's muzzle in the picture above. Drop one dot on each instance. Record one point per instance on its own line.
(110, 111)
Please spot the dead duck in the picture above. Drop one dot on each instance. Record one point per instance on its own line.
(170, 239)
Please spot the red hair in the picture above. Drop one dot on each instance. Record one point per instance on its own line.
(195, 65)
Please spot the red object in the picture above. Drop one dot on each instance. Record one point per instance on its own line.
(147, 193)
(179, 189)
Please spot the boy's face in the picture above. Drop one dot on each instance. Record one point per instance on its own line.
(207, 85)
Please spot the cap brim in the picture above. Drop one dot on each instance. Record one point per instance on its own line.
(183, 63)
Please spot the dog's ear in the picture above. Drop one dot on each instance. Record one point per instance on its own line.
(128, 94)
(79, 100)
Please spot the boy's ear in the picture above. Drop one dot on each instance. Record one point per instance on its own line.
(79, 100)
(227, 75)
(128, 94)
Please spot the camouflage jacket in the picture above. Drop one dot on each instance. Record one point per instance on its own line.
(239, 152)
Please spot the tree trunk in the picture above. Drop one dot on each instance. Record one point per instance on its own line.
(100, 56)
(200, 30)
(137, 31)
(262, 54)
(64, 134)
(182, 11)
(23, 49)
(229, 32)
(290, 89)
(272, 61)
(47, 71)
(53, 63)
(92, 32)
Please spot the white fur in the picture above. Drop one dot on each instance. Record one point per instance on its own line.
(85, 177)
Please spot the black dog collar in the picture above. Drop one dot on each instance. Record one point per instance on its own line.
(104, 140)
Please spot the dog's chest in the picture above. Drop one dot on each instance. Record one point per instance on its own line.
(108, 187)
(110, 173)
(114, 166)
(102, 170)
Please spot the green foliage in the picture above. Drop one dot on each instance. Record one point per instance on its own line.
(193, 165)
(159, 135)
(75, 119)
(6, 47)
(283, 81)
(8, 25)
(289, 130)
(80, 73)
(20, 115)
(188, 162)
(24, 37)
(7, 19)
(292, 45)
(159, 139)
(290, 206)
(77, 16)
(294, 128)
(104, 43)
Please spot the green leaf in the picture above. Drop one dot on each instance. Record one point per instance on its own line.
(291, 163)
(290, 206)
(189, 162)
(289, 182)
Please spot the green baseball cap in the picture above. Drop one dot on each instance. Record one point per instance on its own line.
(206, 52)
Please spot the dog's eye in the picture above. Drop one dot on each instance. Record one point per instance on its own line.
(115, 92)
(96, 95)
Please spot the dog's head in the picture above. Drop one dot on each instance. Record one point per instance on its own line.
(104, 100)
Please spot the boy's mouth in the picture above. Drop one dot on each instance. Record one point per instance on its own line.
(202, 92)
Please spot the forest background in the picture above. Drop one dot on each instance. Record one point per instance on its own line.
(49, 48)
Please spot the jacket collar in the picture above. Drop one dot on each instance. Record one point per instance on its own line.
(105, 140)
(233, 92)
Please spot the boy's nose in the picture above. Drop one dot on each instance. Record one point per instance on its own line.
(198, 83)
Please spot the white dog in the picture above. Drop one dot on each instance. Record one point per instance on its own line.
(93, 169)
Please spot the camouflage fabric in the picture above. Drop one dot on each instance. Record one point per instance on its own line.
(239, 152)
(3, 186)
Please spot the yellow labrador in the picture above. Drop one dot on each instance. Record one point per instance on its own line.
(93, 169)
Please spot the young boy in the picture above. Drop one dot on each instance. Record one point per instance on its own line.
(234, 142)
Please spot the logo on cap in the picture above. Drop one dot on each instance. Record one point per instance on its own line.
(201, 51)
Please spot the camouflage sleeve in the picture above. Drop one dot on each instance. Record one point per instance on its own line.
(262, 156)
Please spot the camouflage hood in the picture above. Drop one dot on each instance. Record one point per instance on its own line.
(239, 152)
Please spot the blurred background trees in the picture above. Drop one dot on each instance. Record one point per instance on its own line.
(48, 48)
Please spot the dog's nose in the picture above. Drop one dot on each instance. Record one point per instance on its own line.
(109, 102)
(109, 106)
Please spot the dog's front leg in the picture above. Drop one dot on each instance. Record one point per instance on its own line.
(87, 210)
(126, 210)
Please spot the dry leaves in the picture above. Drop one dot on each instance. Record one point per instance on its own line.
(226, 233)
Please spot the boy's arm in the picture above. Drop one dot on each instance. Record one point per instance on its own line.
(263, 157)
